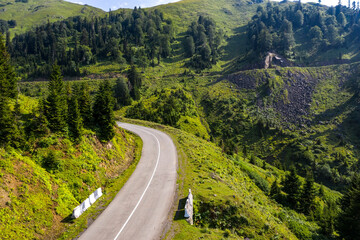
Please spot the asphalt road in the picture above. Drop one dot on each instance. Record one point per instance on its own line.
(141, 209)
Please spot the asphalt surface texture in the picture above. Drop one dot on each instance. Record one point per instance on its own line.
(141, 208)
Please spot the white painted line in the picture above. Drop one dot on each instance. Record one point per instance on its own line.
(157, 163)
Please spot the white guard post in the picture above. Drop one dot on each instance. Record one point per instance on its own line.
(87, 203)
(189, 208)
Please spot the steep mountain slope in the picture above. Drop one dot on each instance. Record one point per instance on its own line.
(31, 13)
(42, 183)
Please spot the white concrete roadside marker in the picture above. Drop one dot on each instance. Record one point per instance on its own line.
(76, 212)
(189, 208)
(87, 203)
(92, 198)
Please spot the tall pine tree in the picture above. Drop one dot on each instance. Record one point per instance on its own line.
(103, 112)
(348, 221)
(7, 75)
(84, 101)
(9, 131)
(122, 93)
(7, 122)
(135, 82)
(56, 102)
(74, 119)
(307, 197)
(292, 186)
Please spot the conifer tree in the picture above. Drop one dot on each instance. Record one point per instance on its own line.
(9, 131)
(56, 104)
(307, 197)
(84, 102)
(122, 93)
(7, 74)
(38, 125)
(292, 188)
(135, 82)
(74, 119)
(103, 112)
(348, 222)
(275, 190)
(7, 122)
(189, 46)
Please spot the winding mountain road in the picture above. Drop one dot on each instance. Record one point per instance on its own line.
(141, 208)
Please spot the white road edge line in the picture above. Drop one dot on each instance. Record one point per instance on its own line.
(157, 163)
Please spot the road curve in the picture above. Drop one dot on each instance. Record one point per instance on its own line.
(140, 210)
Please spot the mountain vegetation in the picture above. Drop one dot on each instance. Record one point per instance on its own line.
(138, 37)
(52, 159)
(284, 28)
(23, 15)
(269, 152)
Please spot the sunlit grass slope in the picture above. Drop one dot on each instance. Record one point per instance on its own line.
(37, 12)
(230, 198)
(40, 186)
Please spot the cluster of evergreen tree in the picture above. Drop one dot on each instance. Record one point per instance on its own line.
(348, 222)
(202, 43)
(66, 110)
(298, 196)
(273, 27)
(305, 198)
(5, 25)
(138, 37)
(168, 108)
(70, 109)
(9, 127)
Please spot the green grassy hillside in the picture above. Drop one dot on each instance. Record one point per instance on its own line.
(40, 186)
(230, 198)
(37, 12)
(287, 116)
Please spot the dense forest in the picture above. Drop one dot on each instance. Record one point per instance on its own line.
(283, 29)
(202, 43)
(65, 110)
(139, 37)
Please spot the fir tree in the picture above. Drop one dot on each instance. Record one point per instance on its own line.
(74, 120)
(275, 190)
(135, 82)
(122, 93)
(38, 126)
(292, 188)
(9, 130)
(56, 102)
(7, 122)
(103, 112)
(84, 101)
(348, 221)
(307, 197)
(7, 74)
(328, 217)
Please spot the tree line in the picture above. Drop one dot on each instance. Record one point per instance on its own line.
(272, 28)
(66, 110)
(139, 37)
